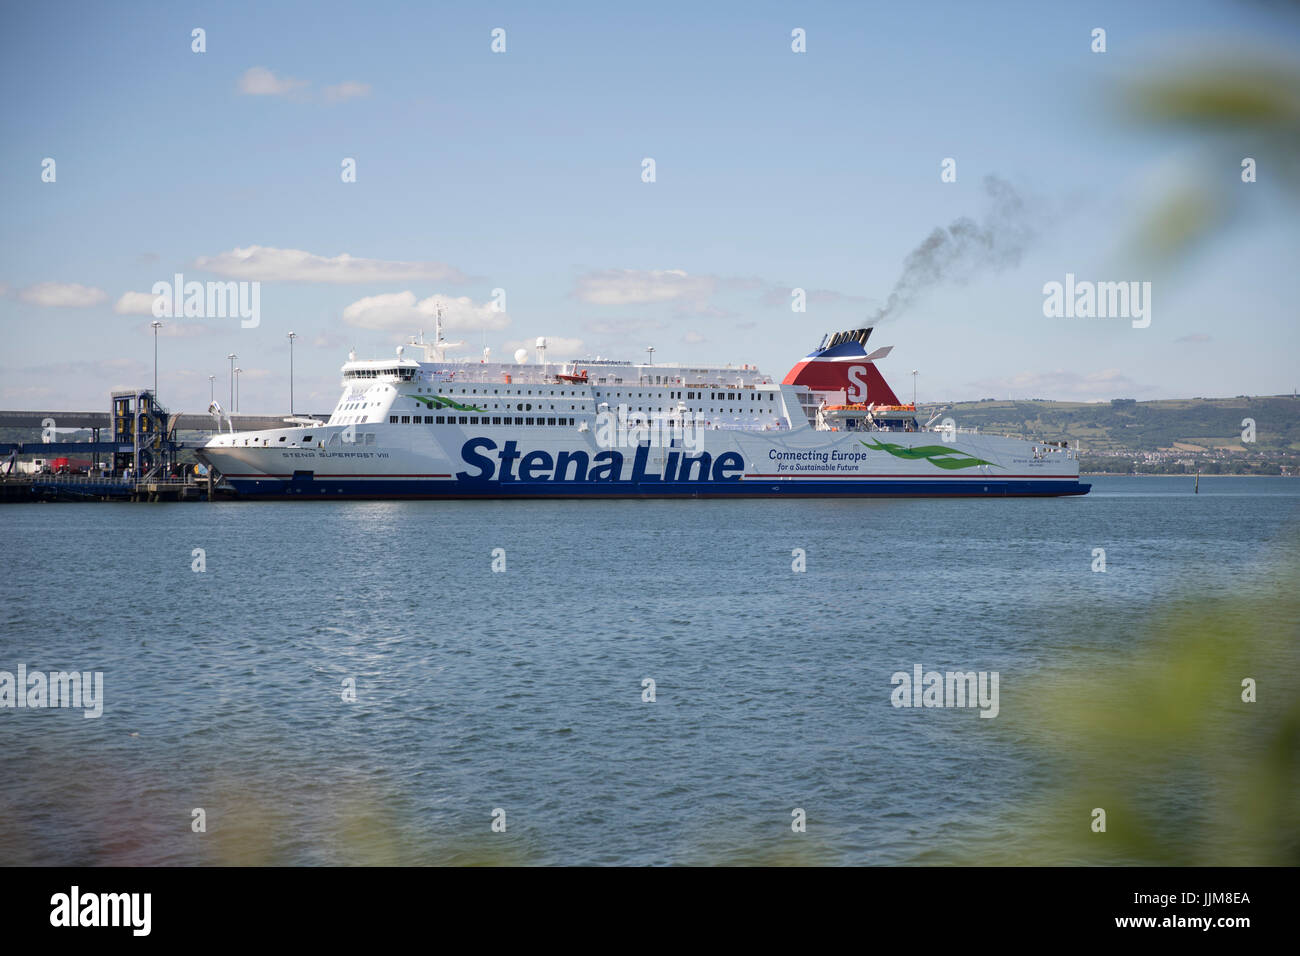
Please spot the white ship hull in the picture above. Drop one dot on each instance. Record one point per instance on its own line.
(446, 461)
(439, 429)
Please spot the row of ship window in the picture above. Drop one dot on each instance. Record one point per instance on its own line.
(496, 391)
(727, 396)
(477, 420)
(730, 396)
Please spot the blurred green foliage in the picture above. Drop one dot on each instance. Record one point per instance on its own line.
(1234, 102)
(1188, 773)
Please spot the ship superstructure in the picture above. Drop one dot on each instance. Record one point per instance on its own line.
(421, 425)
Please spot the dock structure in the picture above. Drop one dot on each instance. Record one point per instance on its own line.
(143, 425)
(23, 488)
(134, 452)
(185, 421)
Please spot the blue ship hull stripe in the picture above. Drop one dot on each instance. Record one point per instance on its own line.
(750, 488)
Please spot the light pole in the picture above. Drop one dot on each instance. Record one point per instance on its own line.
(292, 336)
(238, 372)
(156, 326)
(232, 356)
(212, 384)
(913, 388)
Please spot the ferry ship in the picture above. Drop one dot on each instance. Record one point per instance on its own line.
(423, 426)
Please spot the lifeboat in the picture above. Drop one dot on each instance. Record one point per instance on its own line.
(575, 379)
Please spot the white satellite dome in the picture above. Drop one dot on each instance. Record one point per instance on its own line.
(521, 356)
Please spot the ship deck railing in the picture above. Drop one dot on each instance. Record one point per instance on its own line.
(1045, 446)
(523, 378)
(52, 478)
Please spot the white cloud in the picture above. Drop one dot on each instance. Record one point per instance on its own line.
(177, 329)
(63, 294)
(400, 311)
(72, 382)
(623, 327)
(781, 295)
(1060, 385)
(690, 294)
(693, 338)
(639, 286)
(557, 349)
(259, 81)
(330, 340)
(709, 311)
(347, 90)
(135, 303)
(268, 264)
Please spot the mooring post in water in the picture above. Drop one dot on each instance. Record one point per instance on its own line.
(1196, 485)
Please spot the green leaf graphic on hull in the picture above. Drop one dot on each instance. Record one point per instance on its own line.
(940, 456)
(437, 401)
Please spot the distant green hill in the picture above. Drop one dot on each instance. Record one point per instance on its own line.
(1125, 425)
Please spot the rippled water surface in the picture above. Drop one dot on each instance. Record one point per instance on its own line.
(522, 690)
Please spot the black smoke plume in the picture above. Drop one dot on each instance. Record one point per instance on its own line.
(955, 255)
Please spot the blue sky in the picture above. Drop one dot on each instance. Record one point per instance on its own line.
(522, 171)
